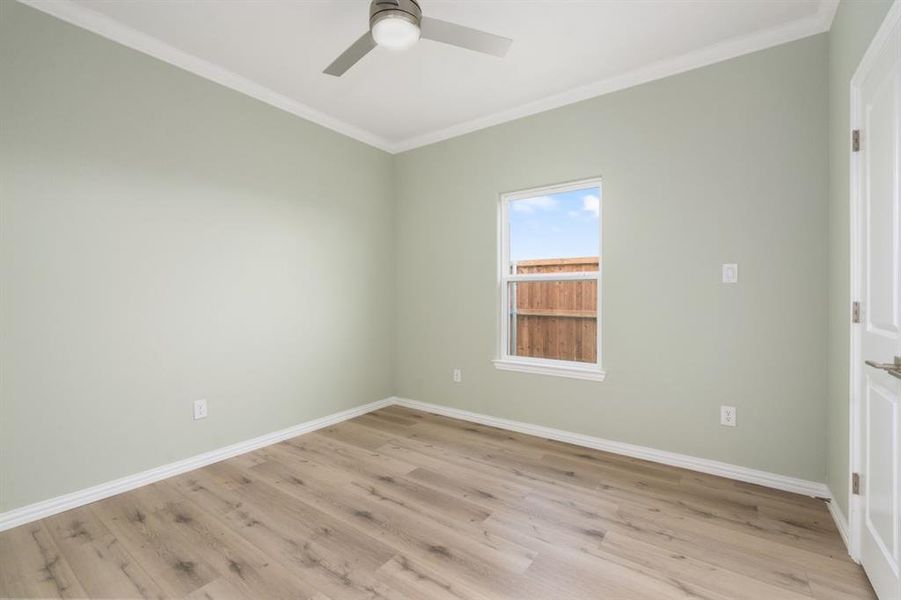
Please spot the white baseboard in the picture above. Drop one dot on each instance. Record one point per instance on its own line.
(841, 523)
(46, 508)
(702, 465)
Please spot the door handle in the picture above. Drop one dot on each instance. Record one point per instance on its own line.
(892, 368)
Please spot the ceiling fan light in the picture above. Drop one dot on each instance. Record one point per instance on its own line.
(395, 31)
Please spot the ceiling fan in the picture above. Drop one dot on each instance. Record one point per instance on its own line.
(398, 24)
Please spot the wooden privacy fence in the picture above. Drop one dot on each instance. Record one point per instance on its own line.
(555, 319)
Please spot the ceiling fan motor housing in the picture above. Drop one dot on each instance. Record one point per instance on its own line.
(398, 25)
(404, 9)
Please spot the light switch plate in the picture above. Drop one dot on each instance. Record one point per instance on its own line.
(730, 273)
(458, 375)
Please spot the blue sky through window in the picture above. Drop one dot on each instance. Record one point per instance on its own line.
(562, 225)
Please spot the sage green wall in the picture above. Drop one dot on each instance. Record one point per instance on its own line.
(727, 163)
(165, 239)
(853, 28)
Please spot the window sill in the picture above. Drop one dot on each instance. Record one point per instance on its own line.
(591, 373)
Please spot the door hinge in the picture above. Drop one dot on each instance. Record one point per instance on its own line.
(855, 484)
(855, 140)
(855, 312)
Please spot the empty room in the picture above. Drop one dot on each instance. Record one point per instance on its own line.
(450, 299)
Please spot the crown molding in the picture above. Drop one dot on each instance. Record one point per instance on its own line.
(826, 13)
(111, 29)
(819, 22)
(95, 22)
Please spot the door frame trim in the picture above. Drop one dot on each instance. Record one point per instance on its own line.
(855, 522)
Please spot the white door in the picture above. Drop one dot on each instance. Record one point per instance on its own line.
(875, 170)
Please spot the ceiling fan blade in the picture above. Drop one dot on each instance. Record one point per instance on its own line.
(464, 37)
(349, 57)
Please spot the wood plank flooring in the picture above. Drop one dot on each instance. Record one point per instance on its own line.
(401, 504)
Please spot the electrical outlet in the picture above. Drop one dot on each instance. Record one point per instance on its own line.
(458, 375)
(200, 410)
(728, 416)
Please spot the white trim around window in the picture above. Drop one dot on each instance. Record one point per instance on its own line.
(543, 366)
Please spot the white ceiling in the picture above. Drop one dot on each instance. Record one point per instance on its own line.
(563, 51)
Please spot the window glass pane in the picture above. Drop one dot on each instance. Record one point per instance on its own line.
(562, 225)
(554, 319)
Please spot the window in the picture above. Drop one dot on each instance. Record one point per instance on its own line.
(550, 281)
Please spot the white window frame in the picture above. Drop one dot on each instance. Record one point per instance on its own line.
(544, 366)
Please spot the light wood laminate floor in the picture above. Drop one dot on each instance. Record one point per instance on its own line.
(402, 504)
